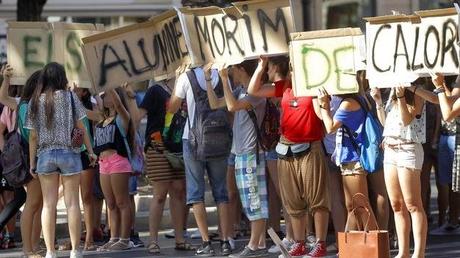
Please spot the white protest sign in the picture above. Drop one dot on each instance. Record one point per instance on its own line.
(401, 48)
(328, 59)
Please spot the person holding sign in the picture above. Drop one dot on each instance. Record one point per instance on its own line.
(249, 157)
(348, 122)
(115, 168)
(302, 163)
(204, 125)
(30, 217)
(404, 134)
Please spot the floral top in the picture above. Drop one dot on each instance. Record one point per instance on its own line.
(414, 132)
(59, 135)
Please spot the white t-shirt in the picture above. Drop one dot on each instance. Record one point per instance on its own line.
(184, 91)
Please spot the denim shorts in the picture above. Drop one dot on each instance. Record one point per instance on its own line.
(132, 185)
(64, 162)
(195, 173)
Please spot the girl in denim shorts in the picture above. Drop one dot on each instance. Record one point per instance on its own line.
(51, 120)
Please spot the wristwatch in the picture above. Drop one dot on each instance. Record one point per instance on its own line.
(438, 91)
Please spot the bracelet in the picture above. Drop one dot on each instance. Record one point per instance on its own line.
(323, 107)
(380, 106)
(208, 80)
(403, 96)
(438, 91)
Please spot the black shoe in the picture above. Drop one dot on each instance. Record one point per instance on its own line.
(225, 248)
(205, 250)
(137, 242)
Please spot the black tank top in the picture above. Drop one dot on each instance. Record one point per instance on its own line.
(109, 137)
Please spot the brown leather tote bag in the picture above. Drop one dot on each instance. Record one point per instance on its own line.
(363, 243)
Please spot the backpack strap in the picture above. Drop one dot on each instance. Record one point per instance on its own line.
(253, 117)
(352, 139)
(124, 133)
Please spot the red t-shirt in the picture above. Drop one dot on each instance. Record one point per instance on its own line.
(299, 122)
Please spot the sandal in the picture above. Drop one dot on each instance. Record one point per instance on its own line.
(184, 247)
(154, 248)
(90, 247)
(65, 246)
(120, 246)
(106, 246)
(32, 255)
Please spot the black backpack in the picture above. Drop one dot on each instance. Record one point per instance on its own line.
(211, 134)
(14, 159)
(172, 138)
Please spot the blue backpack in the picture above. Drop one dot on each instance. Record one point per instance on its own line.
(135, 154)
(368, 146)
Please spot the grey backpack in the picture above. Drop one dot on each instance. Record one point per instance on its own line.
(211, 134)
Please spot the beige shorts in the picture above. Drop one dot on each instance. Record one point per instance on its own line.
(303, 182)
(352, 168)
(407, 155)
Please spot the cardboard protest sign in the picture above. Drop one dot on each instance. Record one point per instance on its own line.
(152, 49)
(234, 34)
(31, 45)
(212, 36)
(328, 58)
(265, 26)
(401, 48)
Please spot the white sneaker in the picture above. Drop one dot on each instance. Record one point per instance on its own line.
(76, 254)
(275, 249)
(50, 255)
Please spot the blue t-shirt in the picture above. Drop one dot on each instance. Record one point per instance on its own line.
(354, 120)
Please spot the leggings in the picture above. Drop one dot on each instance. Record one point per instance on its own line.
(13, 207)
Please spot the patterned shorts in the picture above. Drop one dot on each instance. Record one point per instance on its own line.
(252, 185)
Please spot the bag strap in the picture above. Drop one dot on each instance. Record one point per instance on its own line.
(366, 208)
(123, 133)
(352, 139)
(253, 117)
(72, 102)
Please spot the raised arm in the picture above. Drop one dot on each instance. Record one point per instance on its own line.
(408, 112)
(377, 96)
(118, 105)
(5, 99)
(256, 88)
(132, 104)
(425, 94)
(214, 101)
(449, 111)
(233, 104)
(324, 100)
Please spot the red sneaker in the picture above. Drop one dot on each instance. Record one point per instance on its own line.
(319, 250)
(298, 249)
